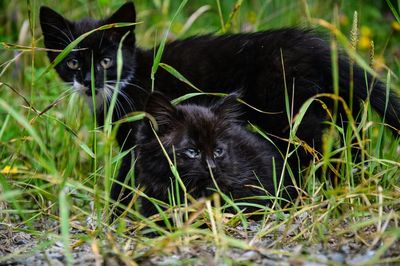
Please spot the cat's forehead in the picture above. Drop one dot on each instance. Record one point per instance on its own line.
(202, 123)
(84, 25)
(94, 40)
(96, 43)
(195, 115)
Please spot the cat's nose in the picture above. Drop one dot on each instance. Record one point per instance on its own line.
(88, 92)
(211, 163)
(87, 83)
(87, 80)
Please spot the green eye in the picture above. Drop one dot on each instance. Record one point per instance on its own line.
(106, 62)
(73, 64)
(192, 153)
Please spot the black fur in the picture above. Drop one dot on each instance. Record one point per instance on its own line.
(203, 139)
(250, 62)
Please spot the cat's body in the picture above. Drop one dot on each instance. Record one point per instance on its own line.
(268, 67)
(204, 140)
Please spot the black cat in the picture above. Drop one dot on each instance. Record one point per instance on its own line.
(268, 67)
(202, 139)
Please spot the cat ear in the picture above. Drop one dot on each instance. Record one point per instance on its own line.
(161, 109)
(56, 29)
(125, 14)
(228, 107)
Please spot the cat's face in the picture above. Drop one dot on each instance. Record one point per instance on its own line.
(96, 55)
(199, 138)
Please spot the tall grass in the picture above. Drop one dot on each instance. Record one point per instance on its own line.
(56, 166)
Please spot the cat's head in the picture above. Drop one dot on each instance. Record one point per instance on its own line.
(200, 138)
(95, 55)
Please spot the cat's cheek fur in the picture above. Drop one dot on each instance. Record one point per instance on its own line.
(100, 96)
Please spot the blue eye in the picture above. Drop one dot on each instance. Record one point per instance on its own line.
(192, 153)
(218, 152)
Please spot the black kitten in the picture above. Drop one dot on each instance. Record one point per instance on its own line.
(98, 50)
(257, 63)
(203, 139)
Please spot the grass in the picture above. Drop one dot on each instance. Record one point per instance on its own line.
(56, 166)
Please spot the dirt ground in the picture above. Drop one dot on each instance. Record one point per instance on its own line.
(19, 247)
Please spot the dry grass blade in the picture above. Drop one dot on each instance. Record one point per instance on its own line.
(20, 95)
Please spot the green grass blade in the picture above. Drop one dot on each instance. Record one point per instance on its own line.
(75, 136)
(186, 97)
(178, 75)
(394, 11)
(24, 123)
(132, 117)
(221, 16)
(64, 222)
(232, 15)
(161, 47)
(4, 126)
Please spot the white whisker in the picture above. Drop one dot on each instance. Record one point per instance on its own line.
(61, 31)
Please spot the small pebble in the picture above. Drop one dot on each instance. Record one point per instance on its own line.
(336, 257)
(360, 259)
(250, 255)
(268, 262)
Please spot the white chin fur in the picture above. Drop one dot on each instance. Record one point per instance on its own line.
(99, 97)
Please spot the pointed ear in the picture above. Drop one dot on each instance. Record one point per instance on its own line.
(161, 109)
(56, 29)
(125, 14)
(228, 108)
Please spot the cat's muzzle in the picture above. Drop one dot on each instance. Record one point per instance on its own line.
(88, 91)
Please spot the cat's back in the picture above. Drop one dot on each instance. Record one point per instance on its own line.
(265, 42)
(253, 147)
(247, 60)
